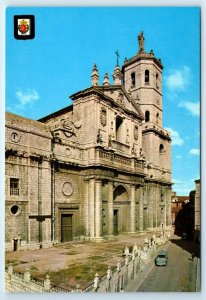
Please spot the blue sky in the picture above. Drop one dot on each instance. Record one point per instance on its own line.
(42, 73)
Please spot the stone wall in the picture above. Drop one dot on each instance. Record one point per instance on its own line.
(18, 282)
(28, 149)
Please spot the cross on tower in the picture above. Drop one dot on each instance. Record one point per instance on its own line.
(117, 54)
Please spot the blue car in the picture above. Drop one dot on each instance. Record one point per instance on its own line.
(162, 258)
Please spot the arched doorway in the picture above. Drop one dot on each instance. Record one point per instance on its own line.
(121, 210)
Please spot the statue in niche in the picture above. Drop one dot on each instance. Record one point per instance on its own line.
(99, 137)
(136, 132)
(133, 151)
(110, 141)
(120, 99)
(103, 117)
(112, 130)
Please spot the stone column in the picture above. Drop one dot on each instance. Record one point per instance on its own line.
(110, 209)
(86, 207)
(150, 207)
(91, 208)
(98, 209)
(141, 209)
(132, 209)
(155, 207)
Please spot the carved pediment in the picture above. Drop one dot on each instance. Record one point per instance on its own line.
(124, 100)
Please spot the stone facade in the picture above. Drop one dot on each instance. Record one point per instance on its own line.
(95, 169)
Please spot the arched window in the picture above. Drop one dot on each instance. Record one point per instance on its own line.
(161, 149)
(146, 77)
(147, 116)
(133, 79)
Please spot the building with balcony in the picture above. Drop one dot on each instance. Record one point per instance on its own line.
(95, 169)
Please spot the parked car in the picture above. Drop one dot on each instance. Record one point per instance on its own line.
(184, 236)
(162, 258)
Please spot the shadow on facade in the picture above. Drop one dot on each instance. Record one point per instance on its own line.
(184, 221)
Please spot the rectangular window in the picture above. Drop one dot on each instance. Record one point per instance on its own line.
(14, 186)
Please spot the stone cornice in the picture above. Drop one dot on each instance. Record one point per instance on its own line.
(158, 132)
(21, 153)
(142, 56)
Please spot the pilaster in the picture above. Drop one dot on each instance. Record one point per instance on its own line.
(141, 209)
(132, 209)
(98, 209)
(110, 209)
(86, 208)
(91, 208)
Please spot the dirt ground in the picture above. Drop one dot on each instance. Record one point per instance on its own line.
(73, 263)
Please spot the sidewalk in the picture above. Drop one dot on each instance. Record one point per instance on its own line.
(198, 277)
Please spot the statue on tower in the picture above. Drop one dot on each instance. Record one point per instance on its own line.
(141, 42)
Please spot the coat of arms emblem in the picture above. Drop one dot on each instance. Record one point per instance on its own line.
(23, 26)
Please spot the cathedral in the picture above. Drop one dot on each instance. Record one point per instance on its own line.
(93, 170)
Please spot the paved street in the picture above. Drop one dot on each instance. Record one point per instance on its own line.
(180, 273)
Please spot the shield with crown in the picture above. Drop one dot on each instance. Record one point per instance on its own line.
(23, 26)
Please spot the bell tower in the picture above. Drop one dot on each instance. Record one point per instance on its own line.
(143, 79)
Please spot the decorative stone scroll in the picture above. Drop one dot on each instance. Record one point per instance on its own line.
(69, 127)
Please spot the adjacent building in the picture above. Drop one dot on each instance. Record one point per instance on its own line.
(197, 211)
(95, 169)
(177, 205)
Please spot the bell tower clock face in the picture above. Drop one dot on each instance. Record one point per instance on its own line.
(158, 101)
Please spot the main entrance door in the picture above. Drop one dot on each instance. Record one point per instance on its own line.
(66, 227)
(115, 222)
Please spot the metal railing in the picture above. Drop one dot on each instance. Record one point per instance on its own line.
(14, 191)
